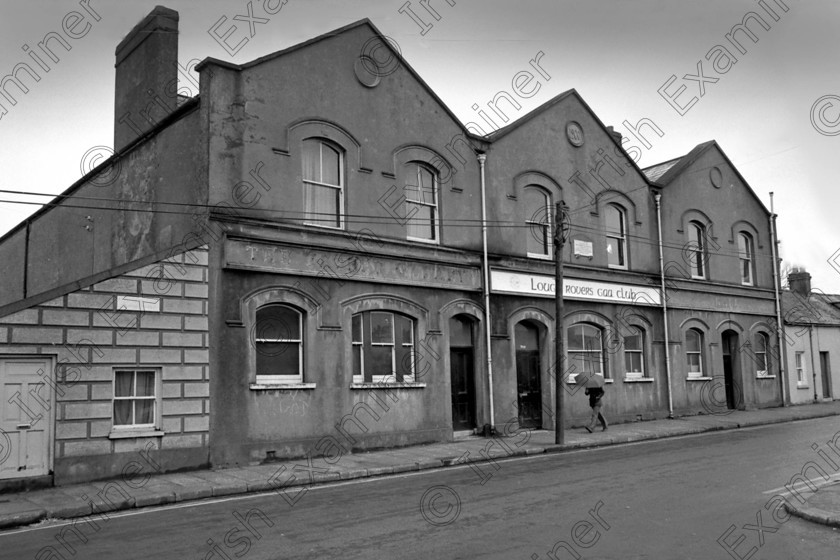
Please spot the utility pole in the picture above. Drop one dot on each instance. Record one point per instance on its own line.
(559, 332)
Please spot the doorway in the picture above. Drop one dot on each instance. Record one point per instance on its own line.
(26, 418)
(825, 368)
(731, 370)
(529, 390)
(462, 372)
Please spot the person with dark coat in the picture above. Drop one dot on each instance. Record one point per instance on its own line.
(595, 396)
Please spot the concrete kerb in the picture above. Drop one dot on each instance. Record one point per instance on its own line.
(814, 514)
(199, 485)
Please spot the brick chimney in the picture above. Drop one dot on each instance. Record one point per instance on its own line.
(800, 282)
(146, 76)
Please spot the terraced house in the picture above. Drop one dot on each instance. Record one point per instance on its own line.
(314, 256)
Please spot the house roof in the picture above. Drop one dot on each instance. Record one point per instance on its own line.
(664, 173)
(816, 309)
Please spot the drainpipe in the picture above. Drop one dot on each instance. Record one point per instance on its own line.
(780, 327)
(481, 159)
(656, 197)
(813, 363)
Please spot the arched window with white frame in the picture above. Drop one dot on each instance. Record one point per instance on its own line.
(760, 345)
(323, 183)
(537, 204)
(694, 352)
(278, 338)
(421, 203)
(697, 249)
(586, 350)
(616, 227)
(746, 256)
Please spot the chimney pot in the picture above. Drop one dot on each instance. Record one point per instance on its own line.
(800, 282)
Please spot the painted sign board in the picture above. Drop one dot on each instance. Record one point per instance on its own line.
(540, 285)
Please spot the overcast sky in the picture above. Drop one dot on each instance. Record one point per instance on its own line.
(773, 111)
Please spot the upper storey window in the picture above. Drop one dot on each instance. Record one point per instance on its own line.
(746, 256)
(616, 236)
(323, 183)
(538, 218)
(697, 249)
(421, 203)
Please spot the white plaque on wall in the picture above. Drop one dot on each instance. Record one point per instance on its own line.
(583, 248)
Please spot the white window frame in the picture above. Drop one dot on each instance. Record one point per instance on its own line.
(340, 187)
(156, 400)
(699, 230)
(549, 245)
(435, 205)
(620, 239)
(641, 352)
(390, 377)
(748, 256)
(695, 374)
(801, 370)
(766, 371)
(264, 379)
(600, 352)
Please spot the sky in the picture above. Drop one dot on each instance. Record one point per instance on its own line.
(774, 108)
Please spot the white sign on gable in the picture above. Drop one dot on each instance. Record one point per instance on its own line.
(543, 286)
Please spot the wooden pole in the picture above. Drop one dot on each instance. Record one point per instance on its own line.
(559, 334)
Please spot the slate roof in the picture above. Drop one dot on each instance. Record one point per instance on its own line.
(816, 309)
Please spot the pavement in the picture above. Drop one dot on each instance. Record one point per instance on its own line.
(291, 479)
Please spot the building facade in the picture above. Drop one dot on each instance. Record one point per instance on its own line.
(812, 340)
(292, 263)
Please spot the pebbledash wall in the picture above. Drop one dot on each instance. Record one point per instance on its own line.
(152, 318)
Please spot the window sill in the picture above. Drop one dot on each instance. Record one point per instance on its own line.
(280, 386)
(638, 379)
(798, 386)
(323, 226)
(574, 381)
(398, 385)
(540, 256)
(698, 378)
(124, 434)
(765, 377)
(617, 266)
(423, 240)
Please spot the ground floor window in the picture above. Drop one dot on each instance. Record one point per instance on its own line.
(383, 347)
(634, 355)
(585, 349)
(278, 338)
(760, 351)
(694, 352)
(135, 398)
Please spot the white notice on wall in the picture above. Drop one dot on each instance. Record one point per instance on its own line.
(583, 248)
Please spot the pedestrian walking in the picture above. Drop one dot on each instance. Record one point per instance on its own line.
(595, 389)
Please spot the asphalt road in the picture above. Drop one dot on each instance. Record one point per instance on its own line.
(669, 499)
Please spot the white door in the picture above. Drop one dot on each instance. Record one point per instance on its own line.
(26, 417)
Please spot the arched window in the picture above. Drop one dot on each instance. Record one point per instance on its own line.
(694, 352)
(616, 236)
(421, 202)
(586, 349)
(760, 351)
(383, 347)
(538, 217)
(323, 183)
(697, 249)
(278, 338)
(634, 354)
(746, 256)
